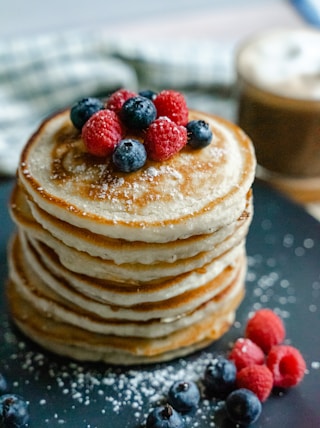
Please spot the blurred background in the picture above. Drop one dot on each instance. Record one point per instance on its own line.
(52, 53)
(230, 19)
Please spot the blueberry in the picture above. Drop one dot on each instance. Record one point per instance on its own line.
(148, 93)
(14, 411)
(138, 112)
(164, 417)
(220, 377)
(199, 134)
(3, 384)
(243, 406)
(184, 396)
(129, 155)
(82, 111)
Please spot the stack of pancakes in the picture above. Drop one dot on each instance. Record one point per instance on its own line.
(129, 267)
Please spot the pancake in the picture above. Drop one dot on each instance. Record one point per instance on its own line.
(144, 320)
(30, 273)
(161, 202)
(74, 341)
(129, 268)
(29, 215)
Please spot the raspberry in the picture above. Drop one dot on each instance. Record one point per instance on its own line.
(118, 98)
(246, 353)
(256, 378)
(102, 132)
(265, 329)
(164, 138)
(173, 105)
(287, 365)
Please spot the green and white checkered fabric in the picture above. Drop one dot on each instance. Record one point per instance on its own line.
(42, 74)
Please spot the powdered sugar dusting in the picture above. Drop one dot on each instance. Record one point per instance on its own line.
(130, 394)
(113, 391)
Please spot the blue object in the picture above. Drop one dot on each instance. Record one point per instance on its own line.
(3, 384)
(129, 155)
(14, 411)
(199, 134)
(220, 377)
(243, 406)
(164, 417)
(82, 110)
(138, 112)
(309, 10)
(184, 396)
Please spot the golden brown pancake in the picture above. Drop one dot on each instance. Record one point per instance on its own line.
(129, 267)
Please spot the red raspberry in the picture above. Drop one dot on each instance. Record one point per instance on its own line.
(164, 138)
(173, 105)
(257, 378)
(118, 98)
(287, 365)
(246, 353)
(102, 132)
(265, 329)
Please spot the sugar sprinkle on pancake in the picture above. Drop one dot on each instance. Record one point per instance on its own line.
(137, 266)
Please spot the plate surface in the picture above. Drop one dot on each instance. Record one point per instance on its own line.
(284, 274)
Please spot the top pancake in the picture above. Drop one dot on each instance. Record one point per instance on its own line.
(194, 192)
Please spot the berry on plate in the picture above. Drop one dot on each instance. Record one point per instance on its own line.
(246, 353)
(256, 378)
(82, 110)
(287, 365)
(243, 406)
(102, 132)
(138, 112)
(266, 329)
(164, 417)
(173, 105)
(14, 411)
(199, 134)
(129, 155)
(118, 98)
(220, 376)
(184, 396)
(164, 138)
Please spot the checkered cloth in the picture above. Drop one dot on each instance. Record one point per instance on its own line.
(42, 74)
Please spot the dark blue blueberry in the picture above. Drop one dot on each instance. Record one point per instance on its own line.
(199, 134)
(148, 93)
(129, 155)
(14, 411)
(164, 417)
(220, 377)
(3, 384)
(82, 110)
(184, 396)
(243, 406)
(138, 112)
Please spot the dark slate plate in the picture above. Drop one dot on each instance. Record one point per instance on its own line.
(284, 274)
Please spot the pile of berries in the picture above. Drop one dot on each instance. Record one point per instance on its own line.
(14, 410)
(244, 379)
(159, 120)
